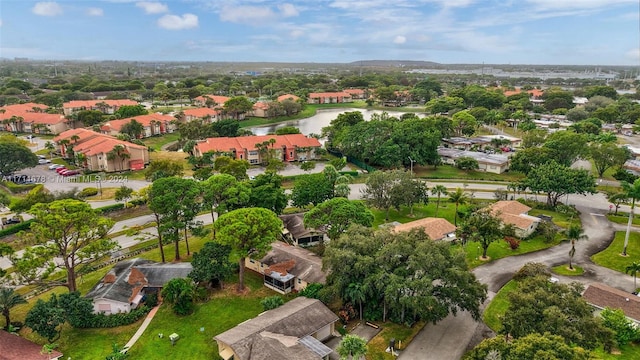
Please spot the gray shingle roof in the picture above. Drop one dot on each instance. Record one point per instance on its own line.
(297, 318)
(308, 266)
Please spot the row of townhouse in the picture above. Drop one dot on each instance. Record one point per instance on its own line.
(292, 147)
(102, 152)
(108, 107)
(153, 124)
(31, 118)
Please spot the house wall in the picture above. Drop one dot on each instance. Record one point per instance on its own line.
(225, 351)
(114, 307)
(324, 332)
(492, 168)
(523, 233)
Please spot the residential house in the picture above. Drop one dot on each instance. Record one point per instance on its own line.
(31, 118)
(123, 288)
(435, 228)
(208, 115)
(288, 268)
(15, 347)
(153, 124)
(108, 107)
(535, 95)
(468, 144)
(293, 331)
(291, 147)
(284, 97)
(260, 109)
(355, 93)
(602, 296)
(216, 100)
(98, 149)
(632, 166)
(514, 142)
(329, 98)
(512, 212)
(296, 233)
(493, 163)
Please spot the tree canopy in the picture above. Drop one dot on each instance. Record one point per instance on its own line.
(337, 214)
(14, 157)
(557, 180)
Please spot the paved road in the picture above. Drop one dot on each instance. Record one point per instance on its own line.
(450, 338)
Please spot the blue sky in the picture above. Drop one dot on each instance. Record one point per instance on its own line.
(581, 32)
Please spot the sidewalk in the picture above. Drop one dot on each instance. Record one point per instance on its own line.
(141, 329)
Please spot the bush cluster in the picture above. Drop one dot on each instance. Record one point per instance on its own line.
(13, 229)
(111, 208)
(86, 192)
(514, 243)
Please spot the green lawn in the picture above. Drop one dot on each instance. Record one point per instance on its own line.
(611, 258)
(447, 211)
(628, 352)
(156, 142)
(564, 270)
(223, 311)
(402, 334)
(500, 249)
(623, 218)
(559, 219)
(498, 307)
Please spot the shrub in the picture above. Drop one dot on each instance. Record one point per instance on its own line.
(514, 243)
(111, 208)
(14, 229)
(312, 291)
(86, 192)
(531, 269)
(151, 300)
(271, 302)
(625, 331)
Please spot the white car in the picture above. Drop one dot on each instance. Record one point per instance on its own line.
(55, 166)
(44, 161)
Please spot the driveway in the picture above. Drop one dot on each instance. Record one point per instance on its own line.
(450, 338)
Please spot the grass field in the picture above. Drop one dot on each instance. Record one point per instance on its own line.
(611, 258)
(402, 334)
(623, 218)
(156, 142)
(564, 270)
(498, 307)
(451, 172)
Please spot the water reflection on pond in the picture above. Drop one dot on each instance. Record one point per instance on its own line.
(314, 124)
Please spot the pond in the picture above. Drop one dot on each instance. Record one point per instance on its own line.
(314, 124)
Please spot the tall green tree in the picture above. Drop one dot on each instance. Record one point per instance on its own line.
(439, 191)
(574, 233)
(484, 228)
(176, 200)
(631, 192)
(337, 214)
(133, 128)
(14, 157)
(211, 264)
(222, 193)
(46, 318)
(558, 180)
(267, 192)
(237, 106)
(8, 300)
(236, 168)
(67, 229)
(123, 193)
(162, 168)
(607, 155)
(248, 231)
(458, 197)
(378, 191)
(566, 147)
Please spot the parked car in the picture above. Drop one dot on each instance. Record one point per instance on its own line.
(30, 136)
(70, 172)
(44, 161)
(55, 166)
(61, 169)
(41, 157)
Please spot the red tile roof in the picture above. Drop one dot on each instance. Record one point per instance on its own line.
(92, 103)
(92, 143)
(14, 347)
(536, 93)
(220, 100)
(261, 105)
(200, 112)
(249, 142)
(284, 97)
(354, 91)
(83, 135)
(436, 228)
(20, 109)
(145, 120)
(512, 212)
(328, 94)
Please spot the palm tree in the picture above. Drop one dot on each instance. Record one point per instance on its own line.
(8, 299)
(50, 147)
(439, 190)
(119, 152)
(355, 292)
(633, 269)
(631, 191)
(352, 345)
(573, 234)
(458, 197)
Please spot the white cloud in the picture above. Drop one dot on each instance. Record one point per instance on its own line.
(296, 33)
(176, 22)
(152, 7)
(549, 5)
(47, 9)
(399, 39)
(246, 14)
(95, 11)
(288, 10)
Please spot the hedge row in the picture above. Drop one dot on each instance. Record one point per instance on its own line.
(114, 320)
(25, 225)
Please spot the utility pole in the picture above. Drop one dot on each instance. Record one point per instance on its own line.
(411, 166)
